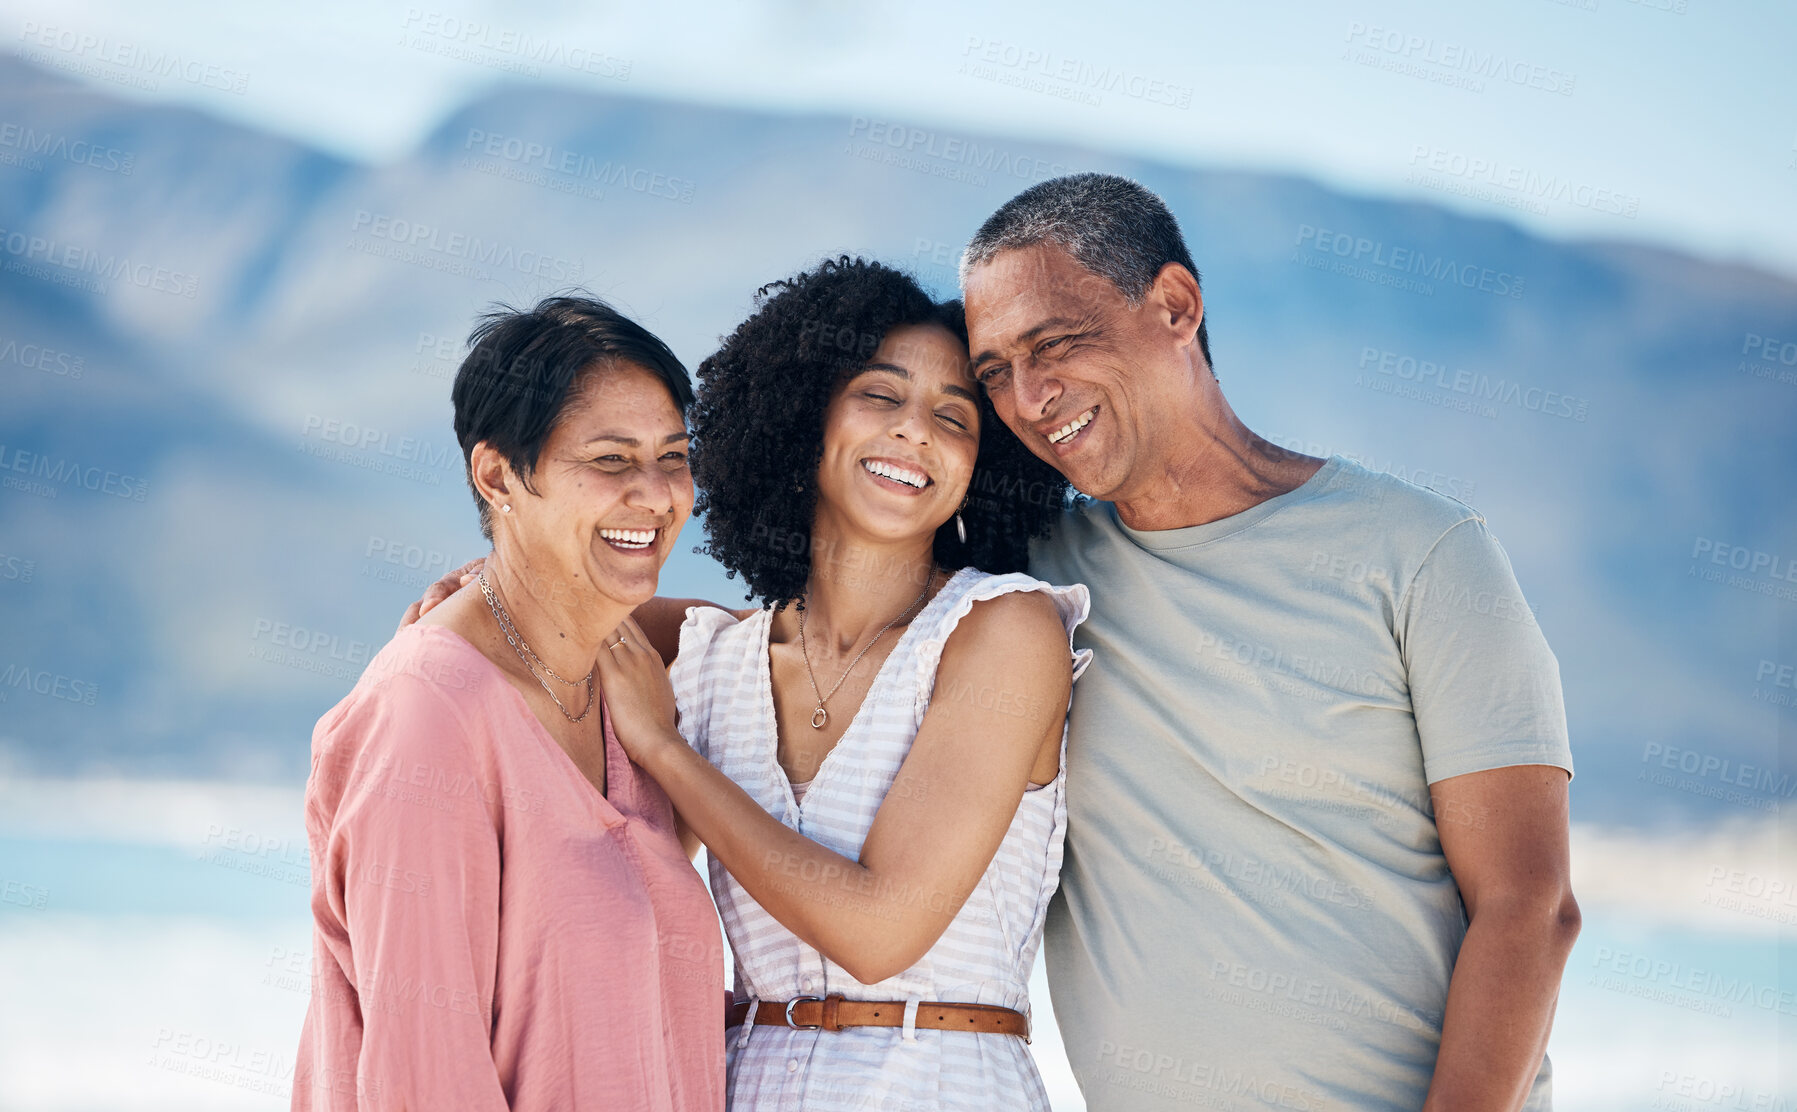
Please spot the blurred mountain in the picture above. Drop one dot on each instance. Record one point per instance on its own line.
(225, 440)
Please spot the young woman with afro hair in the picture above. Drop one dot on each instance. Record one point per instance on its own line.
(873, 756)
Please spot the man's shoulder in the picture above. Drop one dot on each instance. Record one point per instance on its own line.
(1399, 509)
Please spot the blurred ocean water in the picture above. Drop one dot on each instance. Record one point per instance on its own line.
(166, 964)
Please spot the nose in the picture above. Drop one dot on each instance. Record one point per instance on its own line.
(912, 424)
(1034, 390)
(653, 490)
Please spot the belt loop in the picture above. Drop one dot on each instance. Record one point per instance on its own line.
(830, 1020)
(742, 1040)
(910, 1032)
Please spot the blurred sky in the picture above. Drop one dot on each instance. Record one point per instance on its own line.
(1685, 110)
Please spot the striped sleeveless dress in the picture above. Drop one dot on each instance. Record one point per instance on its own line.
(721, 684)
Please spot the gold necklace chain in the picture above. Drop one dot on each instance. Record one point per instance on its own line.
(523, 649)
(820, 715)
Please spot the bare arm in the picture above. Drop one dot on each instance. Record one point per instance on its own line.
(940, 823)
(659, 618)
(1504, 833)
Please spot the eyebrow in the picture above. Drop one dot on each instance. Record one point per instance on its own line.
(895, 369)
(632, 442)
(1026, 337)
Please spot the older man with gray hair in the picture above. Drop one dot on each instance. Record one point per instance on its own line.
(1316, 849)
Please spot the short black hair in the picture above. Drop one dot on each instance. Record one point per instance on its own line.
(1114, 227)
(522, 366)
(758, 430)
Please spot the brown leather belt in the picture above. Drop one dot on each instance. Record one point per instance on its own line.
(834, 1012)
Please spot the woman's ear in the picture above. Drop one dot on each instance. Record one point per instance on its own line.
(493, 476)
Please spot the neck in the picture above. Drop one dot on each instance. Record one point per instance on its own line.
(1217, 467)
(564, 626)
(857, 585)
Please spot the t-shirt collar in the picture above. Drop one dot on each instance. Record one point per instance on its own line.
(1161, 540)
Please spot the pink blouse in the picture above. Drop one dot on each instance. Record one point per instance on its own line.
(491, 932)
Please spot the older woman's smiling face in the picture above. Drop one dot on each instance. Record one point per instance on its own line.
(612, 490)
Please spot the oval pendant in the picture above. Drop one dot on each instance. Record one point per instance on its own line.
(818, 718)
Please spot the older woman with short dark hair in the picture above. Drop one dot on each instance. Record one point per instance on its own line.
(505, 916)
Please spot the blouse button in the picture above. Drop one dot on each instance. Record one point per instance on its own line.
(792, 1065)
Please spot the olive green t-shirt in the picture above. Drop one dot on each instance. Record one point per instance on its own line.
(1254, 910)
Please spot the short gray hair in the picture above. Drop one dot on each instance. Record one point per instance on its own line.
(1112, 226)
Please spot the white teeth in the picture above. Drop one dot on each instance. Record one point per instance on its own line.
(896, 474)
(1072, 427)
(629, 538)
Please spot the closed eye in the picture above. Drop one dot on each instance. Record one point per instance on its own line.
(880, 398)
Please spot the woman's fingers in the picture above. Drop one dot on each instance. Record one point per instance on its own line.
(628, 628)
(448, 585)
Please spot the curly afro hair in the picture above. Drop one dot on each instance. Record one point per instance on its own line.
(758, 431)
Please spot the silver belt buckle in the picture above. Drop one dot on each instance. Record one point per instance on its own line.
(802, 1026)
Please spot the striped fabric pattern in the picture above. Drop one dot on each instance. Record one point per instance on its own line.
(721, 683)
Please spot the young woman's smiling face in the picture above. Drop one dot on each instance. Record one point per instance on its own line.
(900, 439)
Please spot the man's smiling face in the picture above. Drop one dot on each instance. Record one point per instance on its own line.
(1082, 377)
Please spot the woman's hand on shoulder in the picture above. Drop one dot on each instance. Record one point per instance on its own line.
(451, 582)
(634, 683)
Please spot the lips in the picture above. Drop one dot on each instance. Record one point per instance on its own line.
(896, 472)
(1071, 429)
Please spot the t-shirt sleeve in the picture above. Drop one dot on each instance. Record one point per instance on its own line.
(412, 860)
(1484, 685)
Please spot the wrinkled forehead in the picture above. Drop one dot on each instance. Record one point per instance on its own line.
(1018, 288)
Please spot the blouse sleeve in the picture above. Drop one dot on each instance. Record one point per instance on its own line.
(692, 671)
(1073, 603)
(411, 887)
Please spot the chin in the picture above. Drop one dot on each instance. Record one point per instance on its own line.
(630, 588)
(890, 529)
